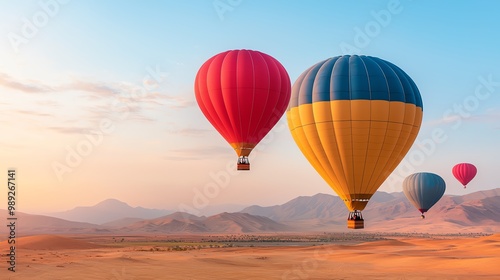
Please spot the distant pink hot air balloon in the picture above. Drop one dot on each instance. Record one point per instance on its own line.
(464, 172)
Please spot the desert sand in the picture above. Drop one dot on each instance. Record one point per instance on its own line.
(88, 257)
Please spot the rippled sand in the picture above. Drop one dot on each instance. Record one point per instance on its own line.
(55, 257)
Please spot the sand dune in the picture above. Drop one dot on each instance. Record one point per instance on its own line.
(401, 258)
(383, 243)
(50, 242)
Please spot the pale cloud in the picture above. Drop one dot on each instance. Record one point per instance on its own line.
(127, 98)
(491, 115)
(93, 101)
(23, 86)
(129, 94)
(93, 89)
(47, 103)
(33, 113)
(442, 121)
(179, 102)
(98, 90)
(140, 118)
(168, 101)
(70, 130)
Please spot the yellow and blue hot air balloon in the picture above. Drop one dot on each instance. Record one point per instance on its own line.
(423, 190)
(354, 118)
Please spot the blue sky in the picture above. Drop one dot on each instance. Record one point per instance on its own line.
(131, 65)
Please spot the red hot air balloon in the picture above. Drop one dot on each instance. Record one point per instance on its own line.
(243, 94)
(464, 172)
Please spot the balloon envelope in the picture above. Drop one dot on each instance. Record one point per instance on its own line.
(464, 172)
(354, 118)
(423, 190)
(243, 94)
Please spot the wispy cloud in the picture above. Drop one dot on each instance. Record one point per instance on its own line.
(179, 102)
(129, 93)
(442, 121)
(33, 113)
(167, 100)
(92, 101)
(70, 130)
(93, 89)
(23, 86)
(47, 103)
(141, 118)
(491, 115)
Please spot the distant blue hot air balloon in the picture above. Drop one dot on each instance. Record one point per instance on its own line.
(423, 190)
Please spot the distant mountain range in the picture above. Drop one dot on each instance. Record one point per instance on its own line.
(221, 223)
(479, 211)
(476, 212)
(112, 210)
(108, 211)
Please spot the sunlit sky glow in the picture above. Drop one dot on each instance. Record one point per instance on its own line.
(122, 73)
